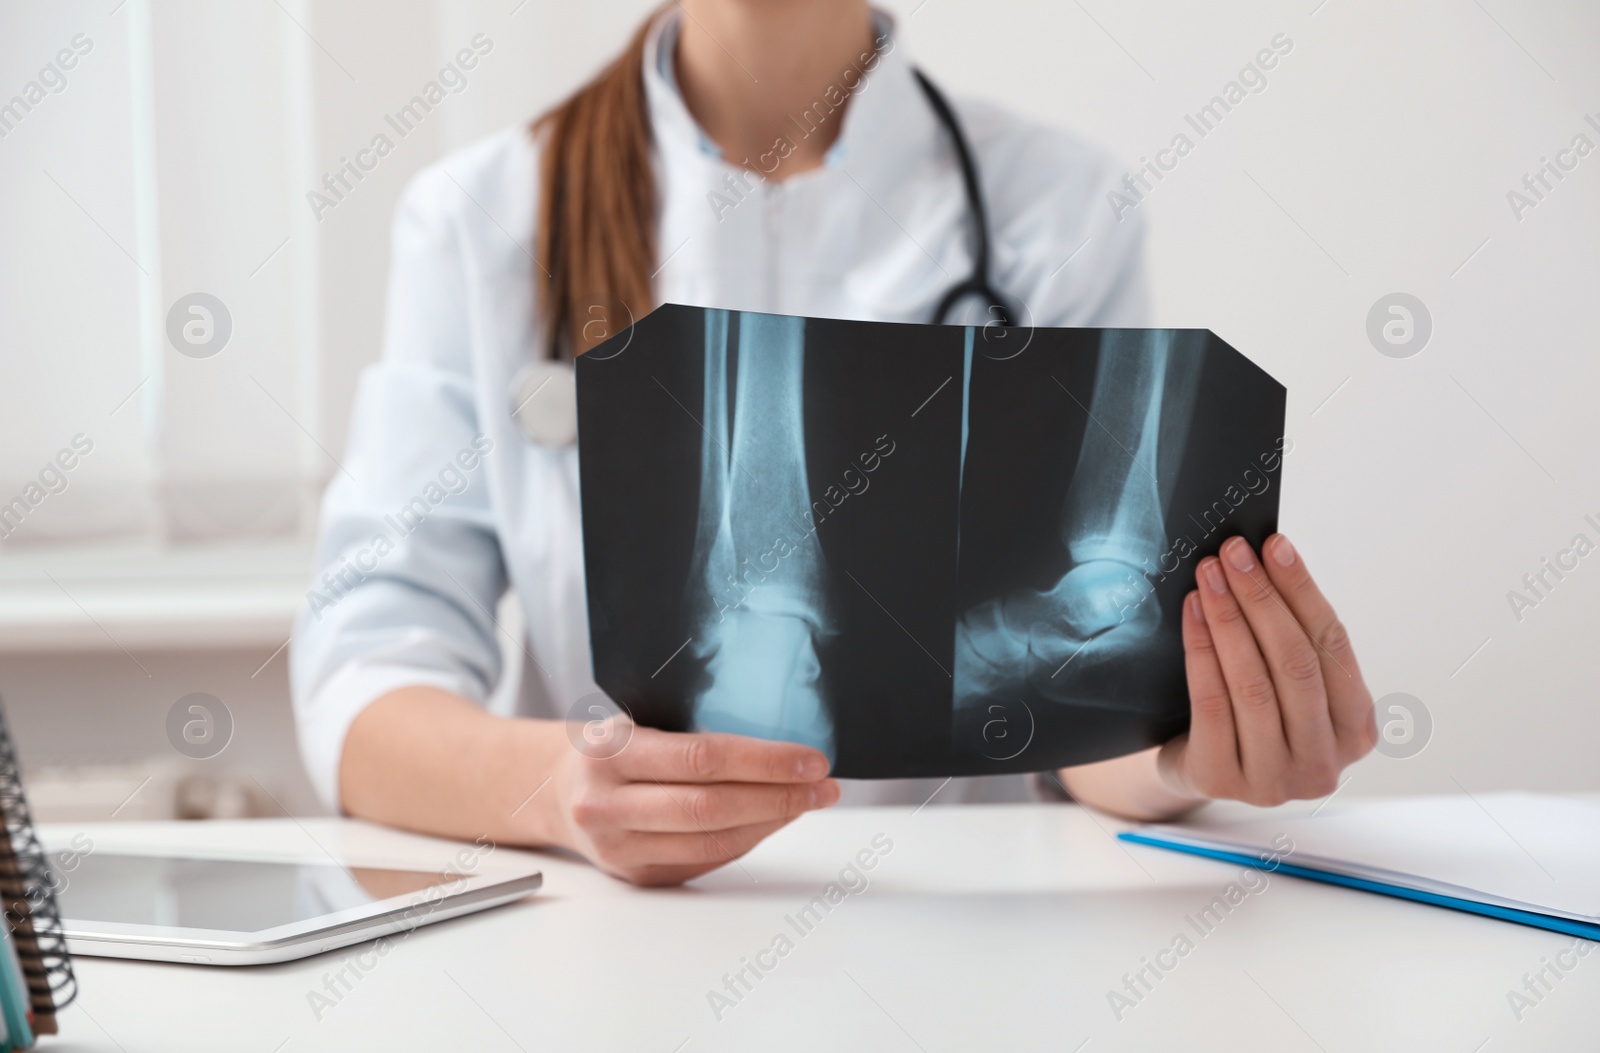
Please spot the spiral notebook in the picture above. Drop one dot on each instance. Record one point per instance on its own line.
(36, 979)
(1528, 858)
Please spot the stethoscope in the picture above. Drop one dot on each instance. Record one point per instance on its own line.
(544, 396)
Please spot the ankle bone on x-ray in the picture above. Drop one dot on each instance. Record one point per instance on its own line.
(761, 599)
(1113, 520)
(1133, 442)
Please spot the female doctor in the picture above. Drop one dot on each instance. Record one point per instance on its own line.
(767, 155)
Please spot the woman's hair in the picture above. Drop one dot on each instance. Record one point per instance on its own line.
(596, 235)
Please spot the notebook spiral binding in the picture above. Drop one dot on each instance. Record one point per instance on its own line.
(36, 920)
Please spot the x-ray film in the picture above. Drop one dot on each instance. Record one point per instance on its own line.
(925, 550)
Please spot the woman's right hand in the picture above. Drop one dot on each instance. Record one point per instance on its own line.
(671, 806)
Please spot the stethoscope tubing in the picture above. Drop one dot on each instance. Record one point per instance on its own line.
(978, 283)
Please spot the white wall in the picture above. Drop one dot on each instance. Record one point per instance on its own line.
(1387, 140)
(1376, 160)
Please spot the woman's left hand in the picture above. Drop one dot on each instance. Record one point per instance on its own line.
(1278, 706)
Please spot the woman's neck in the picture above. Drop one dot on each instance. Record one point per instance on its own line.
(755, 73)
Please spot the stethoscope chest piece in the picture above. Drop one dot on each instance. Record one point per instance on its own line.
(544, 403)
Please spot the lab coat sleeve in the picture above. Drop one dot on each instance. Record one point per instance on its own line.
(408, 565)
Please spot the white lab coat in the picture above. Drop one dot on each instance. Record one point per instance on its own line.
(443, 504)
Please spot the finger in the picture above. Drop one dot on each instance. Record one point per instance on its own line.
(702, 848)
(661, 876)
(688, 807)
(1349, 701)
(1263, 751)
(1292, 662)
(1211, 758)
(676, 756)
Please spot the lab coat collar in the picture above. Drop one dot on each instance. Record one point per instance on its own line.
(886, 123)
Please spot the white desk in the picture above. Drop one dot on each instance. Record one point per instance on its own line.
(983, 928)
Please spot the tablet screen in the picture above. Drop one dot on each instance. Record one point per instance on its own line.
(232, 895)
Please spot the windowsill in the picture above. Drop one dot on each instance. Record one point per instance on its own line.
(148, 597)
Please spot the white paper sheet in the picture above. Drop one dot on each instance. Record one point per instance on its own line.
(1521, 850)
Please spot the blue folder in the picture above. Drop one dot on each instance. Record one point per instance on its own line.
(1553, 923)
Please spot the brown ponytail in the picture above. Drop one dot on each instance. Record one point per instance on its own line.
(596, 237)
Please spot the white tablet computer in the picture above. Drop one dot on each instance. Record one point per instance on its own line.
(236, 909)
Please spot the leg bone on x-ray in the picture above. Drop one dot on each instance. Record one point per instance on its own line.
(760, 593)
(1113, 528)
